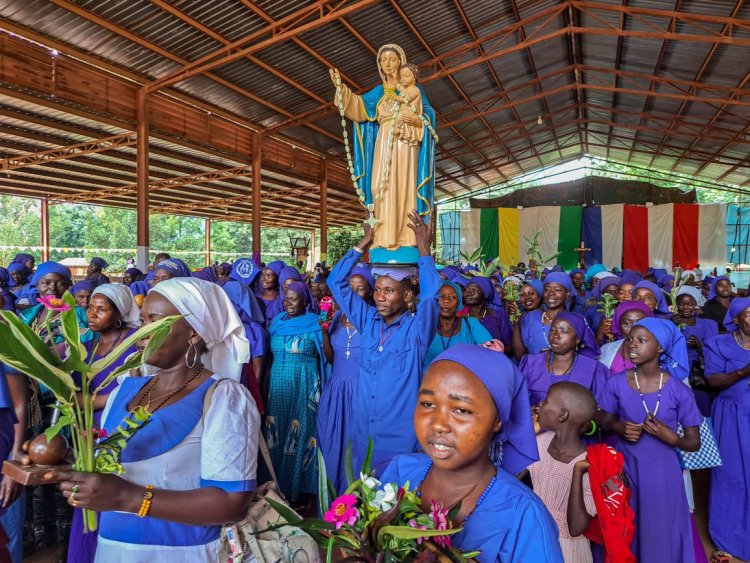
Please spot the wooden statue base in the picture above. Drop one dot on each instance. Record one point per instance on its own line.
(33, 474)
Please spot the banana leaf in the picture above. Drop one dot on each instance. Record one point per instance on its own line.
(76, 349)
(153, 329)
(324, 500)
(133, 362)
(409, 533)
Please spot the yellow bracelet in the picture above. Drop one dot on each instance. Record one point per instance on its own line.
(146, 504)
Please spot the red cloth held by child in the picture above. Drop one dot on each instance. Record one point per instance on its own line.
(613, 526)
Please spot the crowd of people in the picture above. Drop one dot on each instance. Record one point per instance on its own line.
(560, 419)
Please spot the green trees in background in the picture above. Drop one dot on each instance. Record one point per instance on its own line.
(77, 226)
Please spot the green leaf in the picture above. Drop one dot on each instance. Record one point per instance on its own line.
(324, 501)
(30, 356)
(453, 512)
(54, 430)
(71, 332)
(367, 465)
(409, 533)
(134, 361)
(284, 511)
(349, 464)
(153, 330)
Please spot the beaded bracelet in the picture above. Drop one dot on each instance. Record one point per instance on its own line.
(146, 504)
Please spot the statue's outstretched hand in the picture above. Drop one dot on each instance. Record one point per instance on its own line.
(422, 232)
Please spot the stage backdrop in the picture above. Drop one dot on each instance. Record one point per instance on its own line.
(631, 236)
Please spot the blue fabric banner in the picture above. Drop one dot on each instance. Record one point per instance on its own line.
(591, 234)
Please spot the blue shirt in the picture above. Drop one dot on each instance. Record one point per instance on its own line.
(390, 369)
(472, 332)
(511, 524)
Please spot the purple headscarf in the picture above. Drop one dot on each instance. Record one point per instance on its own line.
(712, 292)
(514, 447)
(560, 278)
(99, 262)
(623, 308)
(362, 269)
(603, 283)
(735, 308)
(537, 285)
(661, 303)
(244, 270)
(674, 357)
(276, 266)
(83, 285)
(303, 291)
(4, 277)
(134, 272)
(491, 298)
(17, 267)
(50, 267)
(289, 273)
(22, 258)
(174, 266)
(588, 346)
(207, 274)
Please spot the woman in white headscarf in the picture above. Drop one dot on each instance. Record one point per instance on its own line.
(195, 452)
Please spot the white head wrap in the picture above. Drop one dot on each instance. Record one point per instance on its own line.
(602, 275)
(122, 297)
(693, 292)
(210, 312)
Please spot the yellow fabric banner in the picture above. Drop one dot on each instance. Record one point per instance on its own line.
(509, 233)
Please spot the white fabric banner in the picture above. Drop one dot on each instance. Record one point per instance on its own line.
(712, 236)
(545, 219)
(660, 235)
(470, 220)
(612, 229)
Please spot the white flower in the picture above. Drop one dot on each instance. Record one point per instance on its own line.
(385, 498)
(369, 482)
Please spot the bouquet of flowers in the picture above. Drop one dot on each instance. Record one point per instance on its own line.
(52, 365)
(374, 521)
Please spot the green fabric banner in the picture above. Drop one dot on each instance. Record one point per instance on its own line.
(489, 234)
(569, 236)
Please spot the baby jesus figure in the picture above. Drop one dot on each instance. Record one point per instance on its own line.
(411, 102)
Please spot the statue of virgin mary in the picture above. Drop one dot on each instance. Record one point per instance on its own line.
(394, 173)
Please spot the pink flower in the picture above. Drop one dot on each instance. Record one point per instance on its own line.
(440, 518)
(342, 511)
(53, 303)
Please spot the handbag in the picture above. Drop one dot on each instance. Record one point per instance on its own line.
(708, 455)
(250, 540)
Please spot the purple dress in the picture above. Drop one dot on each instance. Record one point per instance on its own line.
(662, 518)
(703, 330)
(497, 323)
(82, 547)
(337, 400)
(729, 501)
(534, 332)
(586, 371)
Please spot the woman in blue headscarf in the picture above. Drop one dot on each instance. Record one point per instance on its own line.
(454, 329)
(473, 421)
(342, 348)
(602, 327)
(295, 380)
(533, 327)
(269, 289)
(170, 268)
(571, 357)
(131, 276)
(727, 358)
(24, 292)
(484, 304)
(81, 292)
(719, 300)
(643, 407)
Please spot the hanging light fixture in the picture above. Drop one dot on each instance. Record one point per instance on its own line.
(539, 120)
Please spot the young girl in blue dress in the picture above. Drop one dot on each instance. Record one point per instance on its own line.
(473, 421)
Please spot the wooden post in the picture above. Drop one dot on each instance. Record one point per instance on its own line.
(44, 208)
(256, 192)
(324, 213)
(142, 180)
(207, 241)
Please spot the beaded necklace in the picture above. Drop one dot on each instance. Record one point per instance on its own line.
(446, 345)
(658, 397)
(349, 335)
(567, 374)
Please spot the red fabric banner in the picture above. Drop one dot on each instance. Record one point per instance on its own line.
(635, 238)
(685, 237)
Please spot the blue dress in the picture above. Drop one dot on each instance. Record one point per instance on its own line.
(290, 425)
(391, 366)
(534, 333)
(183, 447)
(729, 500)
(511, 524)
(663, 529)
(472, 332)
(337, 400)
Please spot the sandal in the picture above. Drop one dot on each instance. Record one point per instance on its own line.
(721, 557)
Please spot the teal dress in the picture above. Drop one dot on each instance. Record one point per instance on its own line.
(472, 332)
(293, 396)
